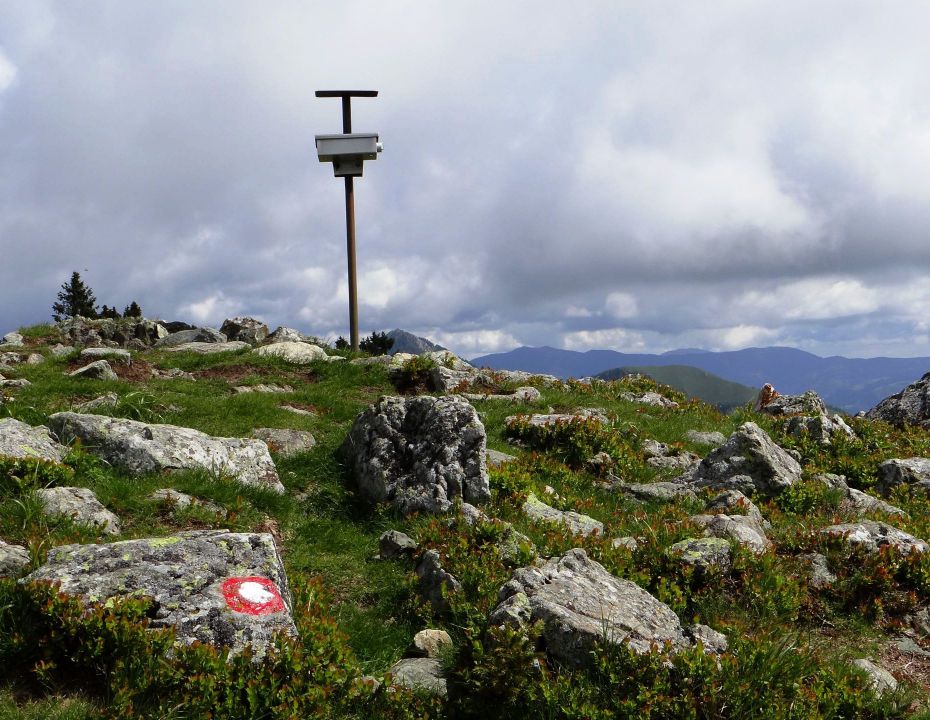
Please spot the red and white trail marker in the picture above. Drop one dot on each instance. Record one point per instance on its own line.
(253, 595)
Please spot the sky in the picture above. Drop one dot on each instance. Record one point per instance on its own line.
(625, 175)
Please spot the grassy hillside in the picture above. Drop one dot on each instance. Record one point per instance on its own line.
(693, 382)
(790, 643)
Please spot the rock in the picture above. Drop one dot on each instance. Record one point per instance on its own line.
(103, 402)
(820, 429)
(713, 641)
(16, 383)
(703, 554)
(496, 458)
(394, 363)
(140, 448)
(194, 335)
(60, 350)
(880, 680)
(914, 472)
(419, 453)
(429, 643)
(34, 359)
(173, 374)
(521, 376)
(299, 353)
(244, 329)
(857, 501)
(655, 449)
(819, 575)
(284, 441)
(661, 492)
(207, 348)
(175, 326)
(298, 411)
(12, 339)
(181, 501)
(577, 523)
(448, 359)
(733, 502)
(554, 418)
(629, 543)
(262, 388)
(435, 584)
(648, 398)
(748, 461)
(681, 462)
(600, 464)
(98, 370)
(13, 558)
(911, 406)
(873, 536)
(115, 354)
(286, 334)
(705, 438)
(742, 529)
(115, 332)
(526, 394)
(810, 403)
(80, 505)
(443, 379)
(580, 603)
(393, 544)
(217, 587)
(10, 358)
(420, 675)
(19, 440)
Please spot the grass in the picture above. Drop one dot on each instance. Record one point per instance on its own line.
(792, 642)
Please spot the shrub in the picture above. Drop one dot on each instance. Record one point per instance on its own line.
(377, 344)
(19, 474)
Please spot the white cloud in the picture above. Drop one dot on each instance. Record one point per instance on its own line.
(8, 71)
(471, 343)
(621, 305)
(612, 339)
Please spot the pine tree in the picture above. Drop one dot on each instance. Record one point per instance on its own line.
(109, 312)
(132, 310)
(75, 298)
(341, 343)
(377, 344)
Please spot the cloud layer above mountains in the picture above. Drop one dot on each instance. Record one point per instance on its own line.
(639, 176)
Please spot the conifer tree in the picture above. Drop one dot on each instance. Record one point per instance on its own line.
(132, 310)
(75, 298)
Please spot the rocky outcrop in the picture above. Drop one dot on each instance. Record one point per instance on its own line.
(195, 335)
(911, 406)
(435, 584)
(244, 329)
(749, 462)
(112, 332)
(140, 448)
(810, 403)
(419, 453)
(79, 505)
(13, 558)
(97, 370)
(914, 472)
(820, 428)
(873, 536)
(577, 523)
(580, 604)
(17, 439)
(217, 587)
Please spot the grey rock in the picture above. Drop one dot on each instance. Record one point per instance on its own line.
(655, 449)
(80, 505)
(10, 358)
(914, 472)
(299, 353)
(173, 374)
(262, 388)
(448, 359)
(13, 558)
(284, 441)
(577, 523)
(434, 583)
(908, 646)
(34, 359)
(733, 502)
(140, 448)
(298, 411)
(103, 402)
(420, 675)
(244, 329)
(430, 643)
(706, 438)
(580, 603)
(818, 573)
(496, 458)
(286, 334)
(113, 332)
(185, 575)
(100, 353)
(207, 348)
(12, 339)
(660, 492)
(419, 453)
(911, 406)
(680, 462)
(97, 370)
(15, 383)
(195, 335)
(526, 394)
(394, 543)
(629, 543)
(820, 428)
(444, 380)
(60, 350)
(394, 363)
(713, 641)
(600, 464)
(521, 376)
(649, 398)
(810, 403)
(182, 501)
(872, 536)
(857, 501)
(748, 461)
(17, 439)
(742, 529)
(542, 420)
(880, 679)
(703, 554)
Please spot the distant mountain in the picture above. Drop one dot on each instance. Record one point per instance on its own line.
(685, 351)
(851, 384)
(406, 342)
(692, 381)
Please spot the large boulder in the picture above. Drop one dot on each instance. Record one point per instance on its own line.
(873, 536)
(299, 353)
(245, 329)
(750, 462)
(911, 406)
(97, 370)
(142, 448)
(580, 604)
(80, 505)
(810, 403)
(819, 428)
(17, 439)
(914, 472)
(194, 335)
(12, 339)
(113, 332)
(419, 453)
(217, 587)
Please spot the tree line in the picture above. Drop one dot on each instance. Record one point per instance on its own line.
(77, 298)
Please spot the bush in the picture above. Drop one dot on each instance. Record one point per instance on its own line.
(20, 474)
(377, 344)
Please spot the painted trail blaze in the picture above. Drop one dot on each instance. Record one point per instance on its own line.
(252, 595)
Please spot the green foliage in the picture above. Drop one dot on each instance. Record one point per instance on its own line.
(20, 474)
(75, 298)
(805, 497)
(132, 310)
(511, 480)
(341, 343)
(109, 312)
(377, 344)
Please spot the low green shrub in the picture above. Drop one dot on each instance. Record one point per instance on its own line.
(18, 474)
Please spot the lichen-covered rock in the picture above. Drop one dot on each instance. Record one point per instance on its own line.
(193, 335)
(299, 353)
(742, 529)
(810, 403)
(208, 348)
(580, 603)
(434, 582)
(914, 472)
(680, 462)
(142, 448)
(703, 554)
(496, 458)
(14, 383)
(880, 679)
(873, 536)
(13, 558)
(103, 402)
(576, 522)
(819, 575)
(705, 438)
(116, 332)
(394, 543)
(750, 462)
(649, 398)
(80, 505)
(17, 439)
(443, 379)
(97, 370)
(733, 502)
(217, 587)
(420, 675)
(59, 350)
(419, 453)
(857, 501)
(181, 501)
(713, 641)
(262, 388)
(12, 339)
(660, 492)
(286, 334)
(429, 643)
(911, 406)
(285, 441)
(554, 418)
(101, 353)
(244, 329)
(820, 428)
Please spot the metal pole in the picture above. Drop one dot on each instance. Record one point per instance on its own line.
(350, 247)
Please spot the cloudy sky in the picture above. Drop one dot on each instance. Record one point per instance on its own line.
(627, 175)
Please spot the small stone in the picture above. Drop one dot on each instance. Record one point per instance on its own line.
(420, 675)
(299, 353)
(576, 522)
(13, 558)
(496, 458)
(104, 402)
(429, 643)
(819, 575)
(393, 544)
(182, 501)
(713, 641)
(435, 584)
(526, 394)
(13, 339)
(628, 543)
(713, 438)
(99, 370)
(742, 529)
(79, 504)
(285, 441)
(34, 359)
(262, 388)
(649, 398)
(173, 374)
(880, 680)
(703, 554)
(15, 383)
(60, 350)
(660, 492)
(115, 354)
(298, 411)
(872, 536)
